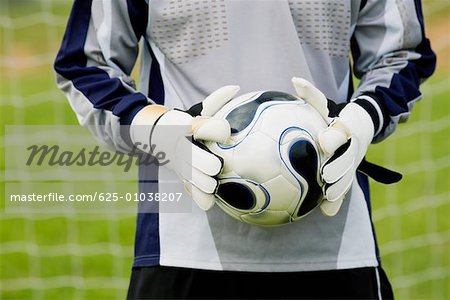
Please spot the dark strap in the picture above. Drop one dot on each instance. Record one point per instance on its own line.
(334, 109)
(379, 173)
(374, 171)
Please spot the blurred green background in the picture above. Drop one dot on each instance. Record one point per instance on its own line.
(89, 256)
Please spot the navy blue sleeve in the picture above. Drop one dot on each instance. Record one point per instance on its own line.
(94, 63)
(392, 57)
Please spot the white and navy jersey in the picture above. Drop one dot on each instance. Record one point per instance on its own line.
(190, 48)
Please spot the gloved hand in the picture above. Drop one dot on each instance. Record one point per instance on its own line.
(344, 141)
(167, 131)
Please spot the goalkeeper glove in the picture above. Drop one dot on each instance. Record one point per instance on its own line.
(345, 141)
(195, 165)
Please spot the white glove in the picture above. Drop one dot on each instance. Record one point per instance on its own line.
(168, 129)
(344, 141)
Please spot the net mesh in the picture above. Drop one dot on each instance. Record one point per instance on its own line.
(89, 256)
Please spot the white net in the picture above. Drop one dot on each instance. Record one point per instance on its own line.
(65, 256)
(75, 256)
(412, 218)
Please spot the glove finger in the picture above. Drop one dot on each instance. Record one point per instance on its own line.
(337, 190)
(202, 159)
(205, 161)
(330, 209)
(210, 129)
(340, 163)
(203, 200)
(331, 139)
(218, 99)
(308, 92)
(187, 187)
(205, 183)
(204, 204)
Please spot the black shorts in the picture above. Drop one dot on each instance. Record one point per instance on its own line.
(181, 283)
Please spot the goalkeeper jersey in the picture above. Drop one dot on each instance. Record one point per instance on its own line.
(191, 48)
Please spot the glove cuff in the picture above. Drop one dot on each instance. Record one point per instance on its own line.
(373, 109)
(358, 122)
(143, 123)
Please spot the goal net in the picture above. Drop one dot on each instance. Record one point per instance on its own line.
(89, 256)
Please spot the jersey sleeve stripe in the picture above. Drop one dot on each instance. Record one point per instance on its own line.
(394, 73)
(138, 15)
(103, 91)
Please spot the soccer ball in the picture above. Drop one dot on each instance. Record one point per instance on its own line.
(271, 166)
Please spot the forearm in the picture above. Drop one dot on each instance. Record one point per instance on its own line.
(392, 64)
(93, 68)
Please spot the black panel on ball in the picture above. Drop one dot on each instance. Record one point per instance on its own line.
(237, 195)
(240, 117)
(303, 157)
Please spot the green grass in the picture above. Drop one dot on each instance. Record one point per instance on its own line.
(411, 234)
(53, 246)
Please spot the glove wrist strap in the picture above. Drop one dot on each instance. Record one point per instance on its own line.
(372, 110)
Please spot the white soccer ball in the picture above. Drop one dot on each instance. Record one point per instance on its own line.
(271, 166)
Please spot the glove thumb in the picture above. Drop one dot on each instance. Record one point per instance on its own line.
(218, 99)
(333, 137)
(313, 96)
(211, 129)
